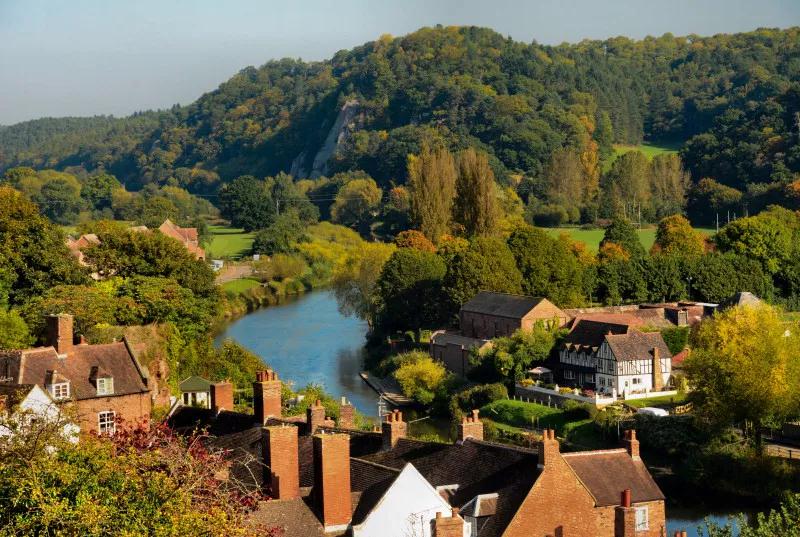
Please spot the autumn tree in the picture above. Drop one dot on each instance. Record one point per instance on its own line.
(432, 182)
(675, 235)
(355, 279)
(627, 186)
(414, 239)
(745, 366)
(669, 183)
(355, 202)
(476, 203)
(622, 233)
(564, 177)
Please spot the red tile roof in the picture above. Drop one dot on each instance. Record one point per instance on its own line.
(606, 473)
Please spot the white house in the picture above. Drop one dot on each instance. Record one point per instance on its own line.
(410, 499)
(196, 391)
(24, 404)
(635, 362)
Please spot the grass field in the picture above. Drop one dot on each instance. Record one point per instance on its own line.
(668, 401)
(592, 237)
(649, 150)
(241, 285)
(228, 242)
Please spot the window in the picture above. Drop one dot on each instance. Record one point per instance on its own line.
(105, 422)
(105, 386)
(60, 391)
(641, 519)
(636, 380)
(602, 381)
(569, 374)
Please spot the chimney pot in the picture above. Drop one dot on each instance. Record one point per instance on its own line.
(221, 396)
(626, 498)
(393, 429)
(266, 396)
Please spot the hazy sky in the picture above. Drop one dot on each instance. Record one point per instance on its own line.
(85, 57)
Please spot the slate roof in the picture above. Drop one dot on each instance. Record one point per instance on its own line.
(293, 517)
(637, 345)
(606, 472)
(454, 338)
(591, 333)
(195, 384)
(36, 366)
(501, 304)
(743, 298)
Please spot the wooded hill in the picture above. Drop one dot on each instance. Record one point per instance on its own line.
(732, 100)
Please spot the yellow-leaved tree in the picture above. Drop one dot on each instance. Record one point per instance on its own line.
(745, 366)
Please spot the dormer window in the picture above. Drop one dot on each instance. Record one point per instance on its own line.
(105, 386)
(59, 391)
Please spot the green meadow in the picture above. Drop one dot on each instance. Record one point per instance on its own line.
(229, 243)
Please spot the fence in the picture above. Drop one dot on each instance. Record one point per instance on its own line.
(783, 452)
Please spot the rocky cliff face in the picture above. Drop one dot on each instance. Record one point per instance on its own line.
(349, 119)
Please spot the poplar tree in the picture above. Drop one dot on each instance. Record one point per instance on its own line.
(432, 180)
(475, 204)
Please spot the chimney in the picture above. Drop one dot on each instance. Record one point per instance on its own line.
(625, 516)
(282, 471)
(680, 534)
(347, 415)
(452, 526)
(332, 480)
(470, 427)
(59, 333)
(393, 429)
(3, 404)
(266, 395)
(221, 396)
(315, 416)
(548, 448)
(658, 378)
(632, 444)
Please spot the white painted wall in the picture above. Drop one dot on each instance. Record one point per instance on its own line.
(37, 405)
(406, 509)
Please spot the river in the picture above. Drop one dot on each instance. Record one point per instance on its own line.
(306, 340)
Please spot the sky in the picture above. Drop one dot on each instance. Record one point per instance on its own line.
(89, 57)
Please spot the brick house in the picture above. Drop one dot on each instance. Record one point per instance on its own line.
(331, 479)
(613, 357)
(185, 235)
(104, 382)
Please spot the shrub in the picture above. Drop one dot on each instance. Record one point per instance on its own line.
(421, 378)
(476, 397)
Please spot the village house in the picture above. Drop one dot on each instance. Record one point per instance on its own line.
(77, 246)
(612, 356)
(185, 235)
(21, 405)
(486, 316)
(327, 478)
(104, 382)
(196, 391)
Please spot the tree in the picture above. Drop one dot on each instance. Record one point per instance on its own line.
(604, 134)
(288, 197)
(355, 280)
(716, 277)
(90, 304)
(414, 239)
(355, 203)
(98, 189)
(564, 176)
(432, 180)
(622, 232)
(548, 267)
(247, 203)
(154, 210)
(510, 357)
(14, 333)
(745, 366)
(281, 236)
(675, 235)
(783, 521)
(60, 201)
(420, 377)
(627, 186)
(669, 184)
(487, 265)
(407, 276)
(475, 203)
(769, 238)
(709, 202)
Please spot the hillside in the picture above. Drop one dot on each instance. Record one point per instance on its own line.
(368, 107)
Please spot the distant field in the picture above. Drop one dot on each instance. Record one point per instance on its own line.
(240, 286)
(649, 150)
(592, 237)
(228, 242)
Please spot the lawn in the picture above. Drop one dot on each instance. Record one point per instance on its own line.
(667, 402)
(241, 285)
(228, 243)
(592, 237)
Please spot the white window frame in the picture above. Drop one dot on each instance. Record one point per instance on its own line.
(105, 386)
(642, 518)
(106, 422)
(60, 390)
(569, 374)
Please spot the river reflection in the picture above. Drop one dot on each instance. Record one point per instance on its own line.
(306, 340)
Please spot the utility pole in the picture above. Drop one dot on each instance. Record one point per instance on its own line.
(717, 222)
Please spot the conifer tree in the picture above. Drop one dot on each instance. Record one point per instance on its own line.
(432, 180)
(475, 204)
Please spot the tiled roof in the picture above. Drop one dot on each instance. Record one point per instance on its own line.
(743, 298)
(607, 473)
(454, 338)
(678, 359)
(591, 333)
(293, 517)
(502, 305)
(637, 345)
(35, 366)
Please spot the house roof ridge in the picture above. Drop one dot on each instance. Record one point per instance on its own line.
(377, 465)
(594, 452)
(518, 449)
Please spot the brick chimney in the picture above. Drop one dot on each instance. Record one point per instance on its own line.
(221, 396)
(470, 427)
(266, 395)
(393, 429)
(658, 378)
(332, 480)
(548, 448)
(452, 526)
(59, 332)
(680, 534)
(625, 516)
(347, 415)
(631, 444)
(281, 471)
(315, 416)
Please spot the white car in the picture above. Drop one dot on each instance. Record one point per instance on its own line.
(652, 411)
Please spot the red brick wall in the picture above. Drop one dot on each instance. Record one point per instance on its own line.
(332, 479)
(222, 396)
(266, 395)
(281, 458)
(131, 408)
(656, 516)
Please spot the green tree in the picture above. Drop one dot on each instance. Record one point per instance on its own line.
(669, 182)
(281, 236)
(476, 202)
(355, 280)
(14, 333)
(420, 377)
(744, 366)
(432, 182)
(355, 203)
(510, 357)
(604, 135)
(60, 201)
(97, 190)
(622, 233)
(564, 175)
(783, 521)
(247, 203)
(627, 187)
(675, 235)
(766, 238)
